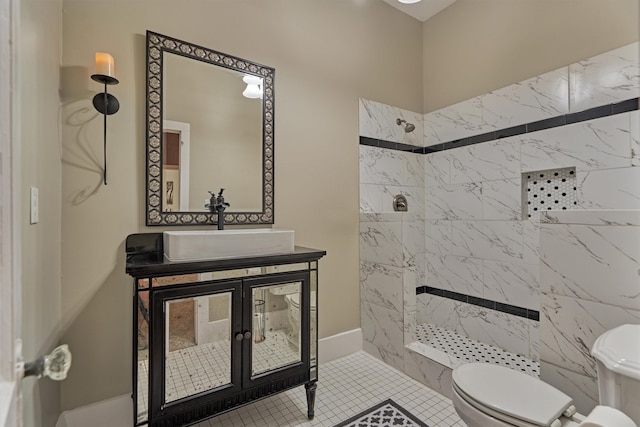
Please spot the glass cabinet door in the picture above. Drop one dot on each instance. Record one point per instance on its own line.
(278, 314)
(194, 333)
(276, 326)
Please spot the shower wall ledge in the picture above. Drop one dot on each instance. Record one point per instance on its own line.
(621, 217)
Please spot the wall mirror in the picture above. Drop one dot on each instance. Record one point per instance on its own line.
(210, 122)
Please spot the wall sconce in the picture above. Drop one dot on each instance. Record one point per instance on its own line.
(105, 103)
(254, 87)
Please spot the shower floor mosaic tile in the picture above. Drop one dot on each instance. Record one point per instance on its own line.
(346, 387)
(469, 350)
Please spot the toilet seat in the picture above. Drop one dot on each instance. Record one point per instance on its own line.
(514, 397)
(294, 299)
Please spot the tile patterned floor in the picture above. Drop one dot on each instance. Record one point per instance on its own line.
(470, 350)
(197, 368)
(346, 387)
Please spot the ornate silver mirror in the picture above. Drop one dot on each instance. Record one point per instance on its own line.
(210, 123)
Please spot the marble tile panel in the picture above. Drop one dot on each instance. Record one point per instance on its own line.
(538, 98)
(457, 274)
(496, 328)
(569, 327)
(409, 281)
(634, 131)
(381, 166)
(438, 237)
(609, 189)
(460, 201)
(382, 333)
(514, 283)
(502, 200)
(371, 198)
(531, 241)
(592, 145)
(381, 285)
(427, 371)
(436, 168)
(488, 240)
(454, 122)
(414, 174)
(486, 162)
(594, 263)
(382, 243)
(603, 79)
(391, 358)
(534, 340)
(379, 121)
(582, 389)
(421, 308)
(413, 240)
(438, 311)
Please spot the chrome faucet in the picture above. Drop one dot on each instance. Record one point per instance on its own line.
(217, 204)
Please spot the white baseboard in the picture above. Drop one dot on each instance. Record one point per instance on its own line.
(339, 345)
(114, 412)
(117, 411)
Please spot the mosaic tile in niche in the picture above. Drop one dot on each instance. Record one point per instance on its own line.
(553, 189)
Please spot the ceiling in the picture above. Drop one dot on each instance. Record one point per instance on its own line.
(422, 10)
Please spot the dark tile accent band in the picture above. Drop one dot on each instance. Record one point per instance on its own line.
(381, 143)
(481, 302)
(563, 120)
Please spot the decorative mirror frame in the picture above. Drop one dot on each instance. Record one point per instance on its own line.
(157, 44)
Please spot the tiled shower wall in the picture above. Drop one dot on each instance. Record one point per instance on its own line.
(589, 284)
(476, 241)
(391, 243)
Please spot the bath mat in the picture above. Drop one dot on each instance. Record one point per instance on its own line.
(385, 414)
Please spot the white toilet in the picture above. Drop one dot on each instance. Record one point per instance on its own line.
(487, 395)
(291, 295)
(293, 302)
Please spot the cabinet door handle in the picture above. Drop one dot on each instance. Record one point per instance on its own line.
(239, 336)
(247, 335)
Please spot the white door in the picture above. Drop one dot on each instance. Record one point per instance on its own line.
(10, 285)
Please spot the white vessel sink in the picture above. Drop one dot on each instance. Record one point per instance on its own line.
(219, 244)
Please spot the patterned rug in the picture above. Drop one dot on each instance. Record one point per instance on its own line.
(385, 414)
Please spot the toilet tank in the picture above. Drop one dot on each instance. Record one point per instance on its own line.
(617, 354)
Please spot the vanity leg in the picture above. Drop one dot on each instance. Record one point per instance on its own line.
(311, 398)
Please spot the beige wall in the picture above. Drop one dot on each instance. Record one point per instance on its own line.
(476, 46)
(326, 54)
(39, 62)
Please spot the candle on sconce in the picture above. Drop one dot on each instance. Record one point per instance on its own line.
(105, 65)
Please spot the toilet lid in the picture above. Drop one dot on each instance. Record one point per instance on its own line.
(512, 393)
(295, 299)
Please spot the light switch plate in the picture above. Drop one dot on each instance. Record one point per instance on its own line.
(34, 205)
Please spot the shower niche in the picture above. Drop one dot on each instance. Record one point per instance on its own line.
(213, 335)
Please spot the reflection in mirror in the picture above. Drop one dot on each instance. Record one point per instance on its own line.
(197, 345)
(225, 132)
(210, 123)
(277, 344)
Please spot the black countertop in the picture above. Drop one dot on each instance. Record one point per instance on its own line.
(145, 258)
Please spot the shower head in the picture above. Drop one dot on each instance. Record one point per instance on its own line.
(408, 127)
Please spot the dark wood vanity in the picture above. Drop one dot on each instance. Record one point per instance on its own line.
(213, 335)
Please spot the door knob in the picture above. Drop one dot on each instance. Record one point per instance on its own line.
(247, 335)
(54, 365)
(239, 336)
